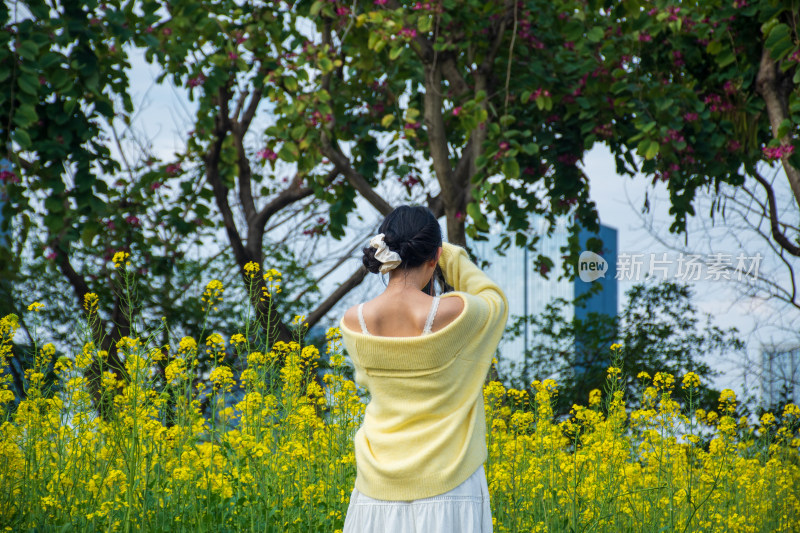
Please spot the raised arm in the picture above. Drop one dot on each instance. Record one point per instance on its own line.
(465, 276)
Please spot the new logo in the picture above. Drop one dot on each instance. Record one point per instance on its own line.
(591, 267)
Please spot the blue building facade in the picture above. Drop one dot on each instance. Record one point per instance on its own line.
(606, 301)
(528, 293)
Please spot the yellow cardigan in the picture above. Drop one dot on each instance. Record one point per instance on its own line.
(424, 429)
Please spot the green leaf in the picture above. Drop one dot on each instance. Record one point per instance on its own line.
(395, 53)
(779, 40)
(424, 24)
(290, 83)
(22, 138)
(28, 50)
(511, 168)
(714, 47)
(299, 131)
(595, 35)
(289, 152)
(325, 65)
(25, 115)
(387, 120)
(784, 128)
(316, 7)
(725, 58)
(28, 84)
(652, 150)
(531, 148)
(474, 211)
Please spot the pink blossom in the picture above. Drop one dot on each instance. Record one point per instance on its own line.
(459, 215)
(132, 220)
(728, 87)
(408, 32)
(380, 2)
(232, 56)
(50, 255)
(342, 10)
(674, 136)
(568, 159)
(167, 31)
(645, 38)
(173, 169)
(537, 93)
(739, 3)
(456, 110)
(266, 153)
(734, 145)
(155, 185)
(8, 177)
(604, 131)
(196, 81)
(690, 117)
(778, 152)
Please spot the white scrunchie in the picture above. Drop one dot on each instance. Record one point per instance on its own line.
(389, 258)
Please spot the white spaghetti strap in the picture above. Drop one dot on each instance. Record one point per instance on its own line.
(361, 320)
(431, 315)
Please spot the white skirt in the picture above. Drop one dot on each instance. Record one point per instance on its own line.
(464, 509)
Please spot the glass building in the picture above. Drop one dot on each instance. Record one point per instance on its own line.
(779, 376)
(528, 293)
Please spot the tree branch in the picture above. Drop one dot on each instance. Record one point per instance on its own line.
(782, 240)
(342, 164)
(352, 282)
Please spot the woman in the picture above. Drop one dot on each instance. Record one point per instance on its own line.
(423, 358)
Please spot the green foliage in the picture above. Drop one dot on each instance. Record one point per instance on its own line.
(659, 329)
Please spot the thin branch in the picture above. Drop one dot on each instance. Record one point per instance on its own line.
(785, 243)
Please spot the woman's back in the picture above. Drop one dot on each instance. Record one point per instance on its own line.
(424, 427)
(388, 316)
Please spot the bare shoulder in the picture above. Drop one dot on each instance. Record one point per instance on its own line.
(351, 318)
(449, 310)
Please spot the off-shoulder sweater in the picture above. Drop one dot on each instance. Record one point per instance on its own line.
(424, 429)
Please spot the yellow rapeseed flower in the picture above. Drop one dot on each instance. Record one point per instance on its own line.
(212, 295)
(252, 269)
(90, 302)
(35, 306)
(663, 380)
(616, 346)
(595, 397)
(690, 380)
(187, 345)
(121, 258)
(791, 410)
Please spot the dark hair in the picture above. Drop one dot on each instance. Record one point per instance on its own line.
(411, 231)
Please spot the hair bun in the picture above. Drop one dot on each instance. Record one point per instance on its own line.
(411, 231)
